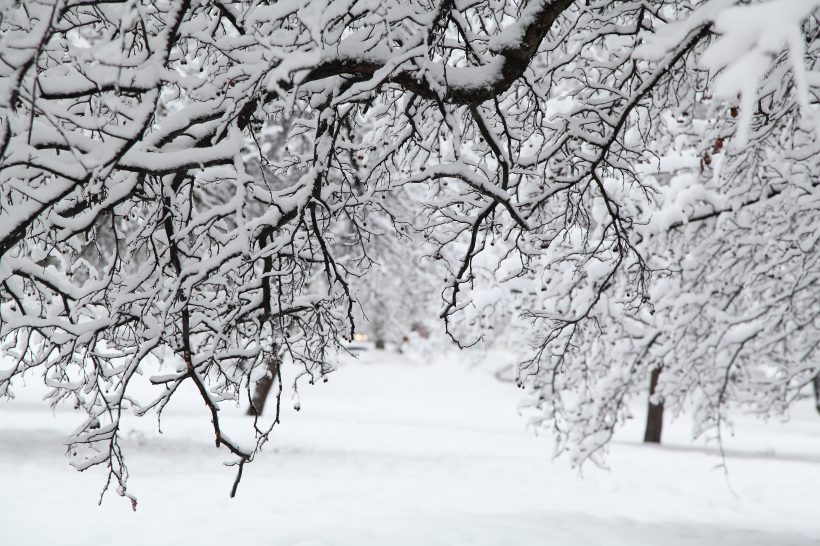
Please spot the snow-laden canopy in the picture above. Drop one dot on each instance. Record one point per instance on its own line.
(616, 187)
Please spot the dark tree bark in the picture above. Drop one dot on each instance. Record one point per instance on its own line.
(263, 386)
(654, 417)
(816, 382)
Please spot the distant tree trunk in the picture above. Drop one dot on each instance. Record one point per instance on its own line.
(817, 391)
(379, 326)
(654, 418)
(263, 386)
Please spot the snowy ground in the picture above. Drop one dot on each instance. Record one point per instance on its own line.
(394, 452)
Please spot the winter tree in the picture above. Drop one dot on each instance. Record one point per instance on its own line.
(625, 188)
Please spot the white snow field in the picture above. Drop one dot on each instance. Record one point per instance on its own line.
(396, 452)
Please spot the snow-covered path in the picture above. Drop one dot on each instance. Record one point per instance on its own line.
(395, 452)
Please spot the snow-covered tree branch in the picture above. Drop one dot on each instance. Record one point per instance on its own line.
(609, 183)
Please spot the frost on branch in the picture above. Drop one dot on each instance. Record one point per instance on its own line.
(213, 180)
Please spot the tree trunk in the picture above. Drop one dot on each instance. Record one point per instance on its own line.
(817, 391)
(263, 386)
(379, 327)
(654, 418)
